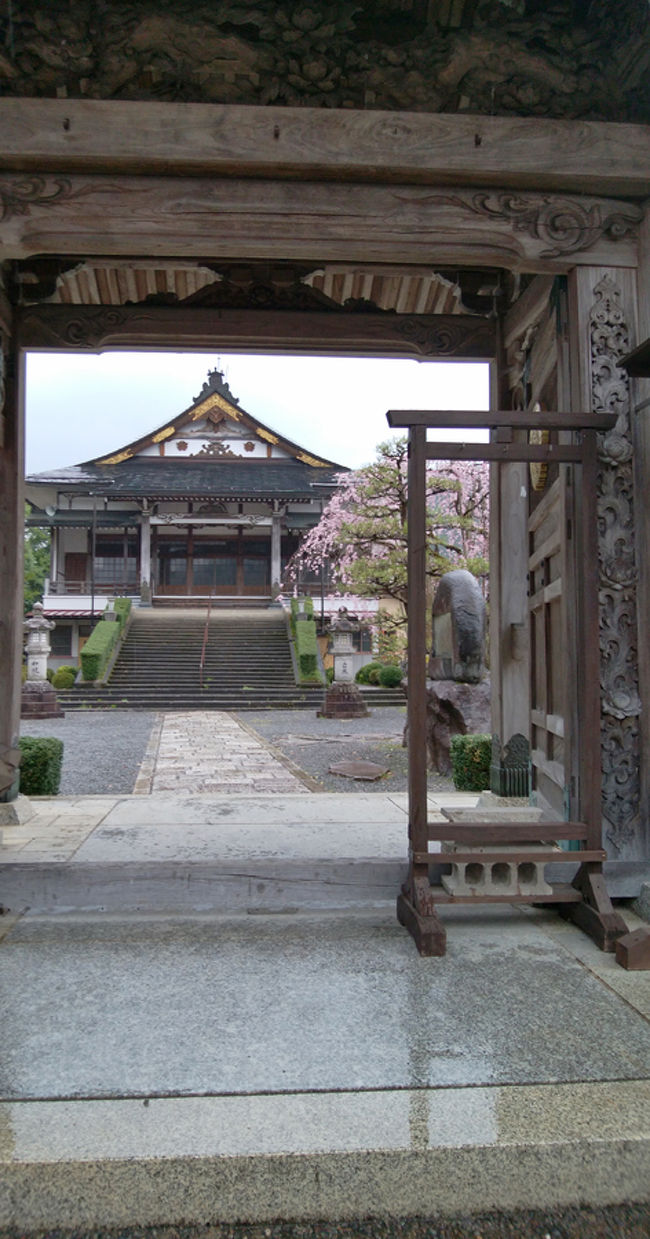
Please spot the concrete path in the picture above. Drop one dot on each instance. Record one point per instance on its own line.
(215, 1016)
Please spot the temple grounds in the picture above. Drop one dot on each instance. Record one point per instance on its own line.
(216, 1018)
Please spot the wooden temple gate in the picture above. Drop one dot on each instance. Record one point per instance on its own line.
(552, 213)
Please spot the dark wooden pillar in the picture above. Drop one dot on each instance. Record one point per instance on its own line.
(12, 506)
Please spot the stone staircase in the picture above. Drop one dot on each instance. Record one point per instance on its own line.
(248, 666)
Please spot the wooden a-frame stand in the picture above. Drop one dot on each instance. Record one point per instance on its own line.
(585, 900)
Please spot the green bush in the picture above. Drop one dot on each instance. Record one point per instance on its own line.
(390, 676)
(364, 673)
(470, 762)
(329, 674)
(97, 650)
(64, 677)
(40, 765)
(49, 674)
(307, 650)
(374, 673)
(122, 608)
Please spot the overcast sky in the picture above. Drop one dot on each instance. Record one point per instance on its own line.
(81, 405)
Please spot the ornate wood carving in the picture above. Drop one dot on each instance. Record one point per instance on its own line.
(494, 57)
(620, 701)
(565, 225)
(91, 327)
(278, 221)
(18, 196)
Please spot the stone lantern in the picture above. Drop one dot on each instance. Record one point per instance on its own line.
(343, 698)
(342, 647)
(38, 696)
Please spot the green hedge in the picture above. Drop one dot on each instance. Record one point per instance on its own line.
(301, 607)
(98, 648)
(470, 762)
(307, 650)
(390, 676)
(40, 765)
(122, 608)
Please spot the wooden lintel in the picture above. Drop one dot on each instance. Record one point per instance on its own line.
(317, 143)
(491, 419)
(96, 328)
(224, 218)
(548, 452)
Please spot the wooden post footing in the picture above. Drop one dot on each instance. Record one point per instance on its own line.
(428, 932)
(633, 950)
(595, 914)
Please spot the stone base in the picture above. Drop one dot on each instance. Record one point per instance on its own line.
(343, 701)
(16, 812)
(503, 877)
(39, 700)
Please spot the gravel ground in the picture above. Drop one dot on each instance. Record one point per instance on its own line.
(630, 1221)
(315, 743)
(102, 749)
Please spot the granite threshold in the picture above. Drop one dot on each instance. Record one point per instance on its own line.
(328, 1155)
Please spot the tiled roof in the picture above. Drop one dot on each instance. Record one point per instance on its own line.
(191, 478)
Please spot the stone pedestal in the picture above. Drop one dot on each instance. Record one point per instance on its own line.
(39, 700)
(343, 701)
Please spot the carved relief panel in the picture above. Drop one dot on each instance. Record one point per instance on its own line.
(617, 570)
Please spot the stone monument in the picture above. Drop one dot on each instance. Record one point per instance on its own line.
(38, 696)
(458, 687)
(343, 698)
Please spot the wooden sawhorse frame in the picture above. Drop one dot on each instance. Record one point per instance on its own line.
(585, 900)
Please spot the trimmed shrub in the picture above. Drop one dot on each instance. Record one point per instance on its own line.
(374, 673)
(49, 675)
(364, 673)
(470, 762)
(307, 650)
(329, 673)
(301, 608)
(40, 765)
(97, 650)
(390, 676)
(122, 608)
(64, 677)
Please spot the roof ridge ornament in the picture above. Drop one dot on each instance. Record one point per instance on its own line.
(216, 382)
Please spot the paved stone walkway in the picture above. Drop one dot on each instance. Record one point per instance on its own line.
(209, 751)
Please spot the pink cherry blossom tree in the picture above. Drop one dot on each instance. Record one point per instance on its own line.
(362, 532)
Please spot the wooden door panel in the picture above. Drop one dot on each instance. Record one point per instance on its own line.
(553, 655)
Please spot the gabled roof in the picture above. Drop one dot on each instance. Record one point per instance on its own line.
(217, 402)
(166, 478)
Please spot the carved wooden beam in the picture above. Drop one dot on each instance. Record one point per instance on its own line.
(95, 328)
(313, 221)
(316, 143)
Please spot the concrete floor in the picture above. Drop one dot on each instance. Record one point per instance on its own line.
(211, 1014)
